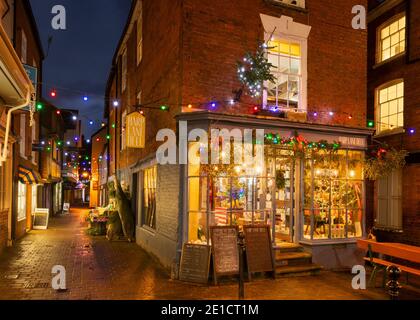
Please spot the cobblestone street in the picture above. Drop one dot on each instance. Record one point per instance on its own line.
(98, 269)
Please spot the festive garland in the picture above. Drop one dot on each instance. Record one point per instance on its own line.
(300, 146)
(254, 70)
(382, 160)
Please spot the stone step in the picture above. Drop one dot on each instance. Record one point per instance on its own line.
(298, 271)
(293, 258)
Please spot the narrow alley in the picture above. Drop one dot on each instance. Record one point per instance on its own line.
(99, 269)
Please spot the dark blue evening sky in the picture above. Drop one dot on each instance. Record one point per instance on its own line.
(80, 57)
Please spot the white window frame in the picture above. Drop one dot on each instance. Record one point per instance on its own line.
(378, 106)
(389, 207)
(380, 41)
(21, 199)
(289, 75)
(285, 28)
(124, 70)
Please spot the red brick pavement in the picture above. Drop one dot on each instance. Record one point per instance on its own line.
(98, 269)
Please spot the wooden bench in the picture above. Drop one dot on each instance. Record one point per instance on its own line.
(391, 251)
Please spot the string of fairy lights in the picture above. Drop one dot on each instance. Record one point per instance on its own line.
(212, 105)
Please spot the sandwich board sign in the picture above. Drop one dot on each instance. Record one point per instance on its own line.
(66, 207)
(41, 217)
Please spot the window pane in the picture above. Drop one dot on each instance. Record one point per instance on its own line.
(393, 107)
(400, 89)
(384, 110)
(400, 120)
(386, 43)
(149, 197)
(393, 121)
(401, 105)
(393, 27)
(402, 23)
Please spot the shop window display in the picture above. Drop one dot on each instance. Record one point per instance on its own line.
(330, 185)
(241, 196)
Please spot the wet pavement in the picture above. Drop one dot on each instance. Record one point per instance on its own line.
(99, 269)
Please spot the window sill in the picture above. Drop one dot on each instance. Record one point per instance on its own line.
(391, 132)
(396, 57)
(328, 242)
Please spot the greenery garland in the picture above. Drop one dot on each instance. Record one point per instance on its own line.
(300, 146)
(382, 160)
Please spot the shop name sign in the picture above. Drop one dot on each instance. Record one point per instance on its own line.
(135, 131)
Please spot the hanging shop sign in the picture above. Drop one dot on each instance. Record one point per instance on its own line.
(195, 263)
(135, 130)
(259, 253)
(225, 251)
(41, 217)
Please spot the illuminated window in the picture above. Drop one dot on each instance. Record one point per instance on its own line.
(21, 212)
(149, 197)
(391, 39)
(140, 37)
(285, 56)
(391, 106)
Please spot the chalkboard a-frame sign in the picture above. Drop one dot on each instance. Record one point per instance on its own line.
(225, 251)
(259, 252)
(195, 263)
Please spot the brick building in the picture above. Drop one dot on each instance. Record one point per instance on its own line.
(177, 62)
(393, 98)
(98, 190)
(29, 48)
(25, 52)
(51, 146)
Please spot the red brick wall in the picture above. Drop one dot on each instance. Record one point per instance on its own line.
(218, 33)
(157, 76)
(199, 63)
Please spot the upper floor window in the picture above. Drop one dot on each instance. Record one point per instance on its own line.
(391, 38)
(286, 58)
(390, 107)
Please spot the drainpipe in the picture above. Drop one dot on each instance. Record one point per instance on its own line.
(3, 156)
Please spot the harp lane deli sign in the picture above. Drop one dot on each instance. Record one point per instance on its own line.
(135, 128)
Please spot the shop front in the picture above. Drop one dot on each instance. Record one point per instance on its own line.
(309, 187)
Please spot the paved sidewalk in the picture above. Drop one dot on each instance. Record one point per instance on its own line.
(98, 269)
